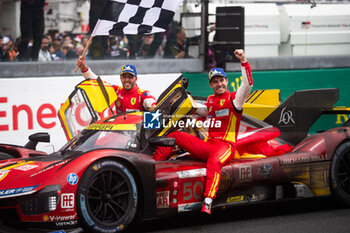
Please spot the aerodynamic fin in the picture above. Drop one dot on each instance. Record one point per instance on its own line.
(300, 110)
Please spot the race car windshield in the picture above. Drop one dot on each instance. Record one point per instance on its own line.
(95, 139)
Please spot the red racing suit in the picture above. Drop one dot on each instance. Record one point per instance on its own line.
(134, 99)
(220, 146)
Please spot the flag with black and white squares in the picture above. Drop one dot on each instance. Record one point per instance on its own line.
(132, 17)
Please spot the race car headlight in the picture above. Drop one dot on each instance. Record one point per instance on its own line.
(41, 202)
(52, 203)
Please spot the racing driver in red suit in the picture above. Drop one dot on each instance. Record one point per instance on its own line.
(220, 148)
(130, 96)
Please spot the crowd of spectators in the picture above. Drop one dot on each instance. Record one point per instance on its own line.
(56, 47)
(65, 46)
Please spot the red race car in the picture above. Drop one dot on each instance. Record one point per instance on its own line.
(106, 180)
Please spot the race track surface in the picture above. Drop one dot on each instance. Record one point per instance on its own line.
(311, 215)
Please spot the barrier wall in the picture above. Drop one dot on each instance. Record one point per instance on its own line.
(29, 105)
(161, 66)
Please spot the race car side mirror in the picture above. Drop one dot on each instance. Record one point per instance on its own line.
(162, 141)
(34, 139)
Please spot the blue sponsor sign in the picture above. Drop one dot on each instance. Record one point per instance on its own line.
(72, 178)
(151, 120)
(16, 191)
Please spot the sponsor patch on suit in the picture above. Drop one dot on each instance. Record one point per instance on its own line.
(222, 113)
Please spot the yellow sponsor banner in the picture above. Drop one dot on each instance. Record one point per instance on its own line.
(111, 127)
(252, 156)
(235, 199)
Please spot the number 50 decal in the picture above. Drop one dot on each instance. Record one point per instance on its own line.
(191, 191)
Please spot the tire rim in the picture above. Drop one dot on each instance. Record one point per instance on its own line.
(109, 197)
(344, 173)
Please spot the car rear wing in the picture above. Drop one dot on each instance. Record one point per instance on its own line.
(295, 116)
(300, 110)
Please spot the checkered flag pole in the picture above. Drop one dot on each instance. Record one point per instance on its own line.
(132, 17)
(84, 51)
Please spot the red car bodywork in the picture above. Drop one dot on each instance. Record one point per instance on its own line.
(47, 188)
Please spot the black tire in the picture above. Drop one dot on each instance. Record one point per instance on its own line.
(107, 197)
(4, 156)
(340, 174)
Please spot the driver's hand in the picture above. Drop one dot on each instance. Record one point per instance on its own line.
(239, 53)
(81, 63)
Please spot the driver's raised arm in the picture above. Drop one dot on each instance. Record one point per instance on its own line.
(247, 81)
(85, 70)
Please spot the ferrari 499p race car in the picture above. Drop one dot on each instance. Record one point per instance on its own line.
(105, 178)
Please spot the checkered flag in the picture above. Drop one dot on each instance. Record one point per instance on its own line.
(134, 17)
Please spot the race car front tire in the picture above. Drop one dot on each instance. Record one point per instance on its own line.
(107, 197)
(340, 174)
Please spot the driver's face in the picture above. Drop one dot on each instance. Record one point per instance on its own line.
(219, 84)
(128, 80)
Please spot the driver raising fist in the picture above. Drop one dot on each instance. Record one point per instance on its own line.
(220, 147)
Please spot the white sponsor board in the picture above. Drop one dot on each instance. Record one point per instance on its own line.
(163, 199)
(192, 173)
(30, 105)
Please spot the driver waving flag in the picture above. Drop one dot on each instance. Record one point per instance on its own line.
(130, 96)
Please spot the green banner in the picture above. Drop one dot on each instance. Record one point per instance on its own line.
(287, 81)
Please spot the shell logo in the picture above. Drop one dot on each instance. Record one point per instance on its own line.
(46, 218)
(118, 104)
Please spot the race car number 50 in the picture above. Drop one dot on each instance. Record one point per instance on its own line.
(192, 192)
